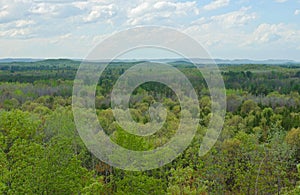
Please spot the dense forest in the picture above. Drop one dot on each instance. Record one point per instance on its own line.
(258, 151)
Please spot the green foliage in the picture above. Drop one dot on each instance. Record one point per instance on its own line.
(96, 187)
(65, 166)
(130, 141)
(256, 153)
(139, 184)
(186, 181)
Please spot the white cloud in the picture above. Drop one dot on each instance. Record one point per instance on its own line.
(281, 1)
(267, 33)
(15, 33)
(275, 33)
(4, 11)
(43, 8)
(101, 12)
(16, 29)
(222, 30)
(22, 23)
(13, 9)
(235, 18)
(264, 41)
(80, 4)
(153, 11)
(68, 24)
(55, 10)
(216, 4)
(53, 17)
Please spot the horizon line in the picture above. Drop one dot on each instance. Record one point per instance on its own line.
(134, 59)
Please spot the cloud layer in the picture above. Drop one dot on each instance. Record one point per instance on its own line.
(70, 28)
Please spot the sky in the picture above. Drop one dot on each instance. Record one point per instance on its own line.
(227, 29)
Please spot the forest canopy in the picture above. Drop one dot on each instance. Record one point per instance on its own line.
(258, 151)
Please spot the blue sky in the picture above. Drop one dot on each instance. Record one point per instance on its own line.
(229, 29)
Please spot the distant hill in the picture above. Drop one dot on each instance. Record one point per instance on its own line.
(247, 61)
(237, 61)
(218, 61)
(173, 61)
(8, 60)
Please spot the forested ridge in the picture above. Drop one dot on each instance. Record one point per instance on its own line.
(258, 151)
